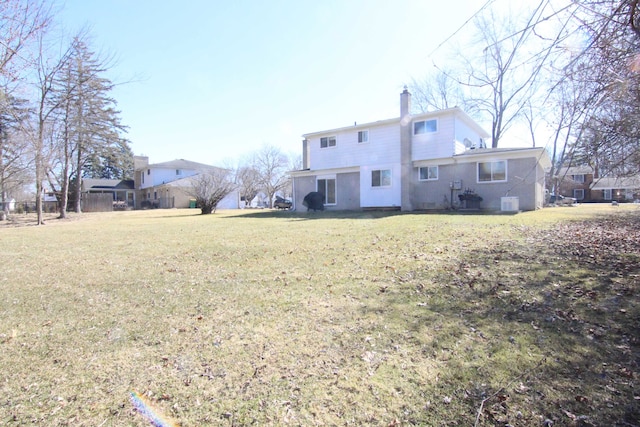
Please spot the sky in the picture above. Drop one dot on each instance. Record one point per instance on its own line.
(212, 81)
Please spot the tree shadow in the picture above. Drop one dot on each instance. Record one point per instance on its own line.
(539, 329)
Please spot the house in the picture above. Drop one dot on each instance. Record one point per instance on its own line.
(434, 160)
(575, 181)
(166, 185)
(583, 183)
(619, 189)
(122, 190)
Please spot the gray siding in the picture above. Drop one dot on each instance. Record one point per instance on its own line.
(525, 180)
(347, 191)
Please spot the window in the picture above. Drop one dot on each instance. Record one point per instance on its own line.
(363, 136)
(327, 141)
(607, 194)
(381, 178)
(178, 172)
(142, 176)
(148, 171)
(428, 173)
(578, 178)
(492, 171)
(328, 189)
(578, 193)
(425, 126)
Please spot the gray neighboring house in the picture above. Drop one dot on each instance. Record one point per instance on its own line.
(429, 161)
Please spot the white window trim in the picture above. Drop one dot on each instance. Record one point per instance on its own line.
(493, 181)
(426, 133)
(382, 186)
(429, 179)
(607, 192)
(575, 193)
(326, 177)
(329, 146)
(358, 136)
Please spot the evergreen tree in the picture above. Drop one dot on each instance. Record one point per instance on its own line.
(90, 131)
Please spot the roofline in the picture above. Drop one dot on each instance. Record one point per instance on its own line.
(518, 153)
(454, 110)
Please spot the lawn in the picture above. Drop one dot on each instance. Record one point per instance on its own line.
(281, 318)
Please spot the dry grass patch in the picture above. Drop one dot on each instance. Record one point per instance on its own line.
(271, 318)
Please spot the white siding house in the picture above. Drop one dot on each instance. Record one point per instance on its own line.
(166, 185)
(416, 162)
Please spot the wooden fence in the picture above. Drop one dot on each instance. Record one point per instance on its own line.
(97, 202)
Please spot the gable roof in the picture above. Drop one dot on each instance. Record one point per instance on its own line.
(107, 184)
(179, 164)
(456, 111)
(575, 170)
(618, 183)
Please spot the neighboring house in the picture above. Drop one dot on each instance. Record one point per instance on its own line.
(418, 162)
(575, 181)
(583, 183)
(619, 189)
(166, 185)
(122, 190)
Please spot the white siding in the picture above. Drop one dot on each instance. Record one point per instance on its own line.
(164, 176)
(383, 146)
(462, 131)
(435, 145)
(380, 196)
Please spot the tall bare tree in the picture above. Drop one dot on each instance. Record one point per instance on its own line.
(248, 181)
(438, 90)
(272, 166)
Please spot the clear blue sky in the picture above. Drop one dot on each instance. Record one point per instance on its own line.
(211, 81)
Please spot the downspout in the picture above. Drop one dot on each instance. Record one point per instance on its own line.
(293, 190)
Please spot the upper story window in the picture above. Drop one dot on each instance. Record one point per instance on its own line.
(425, 126)
(492, 171)
(363, 136)
(381, 178)
(178, 172)
(148, 171)
(428, 173)
(578, 178)
(327, 141)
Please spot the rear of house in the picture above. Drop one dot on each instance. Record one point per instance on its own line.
(417, 162)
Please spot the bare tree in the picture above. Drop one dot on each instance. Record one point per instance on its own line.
(437, 91)
(209, 187)
(272, 166)
(14, 154)
(248, 181)
(21, 21)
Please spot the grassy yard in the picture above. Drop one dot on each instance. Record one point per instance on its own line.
(280, 318)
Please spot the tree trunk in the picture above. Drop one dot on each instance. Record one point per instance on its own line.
(78, 189)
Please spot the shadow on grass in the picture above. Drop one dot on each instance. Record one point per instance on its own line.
(345, 214)
(532, 330)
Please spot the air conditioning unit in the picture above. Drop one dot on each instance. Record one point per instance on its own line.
(509, 204)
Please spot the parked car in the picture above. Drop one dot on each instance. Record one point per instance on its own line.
(562, 200)
(281, 203)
